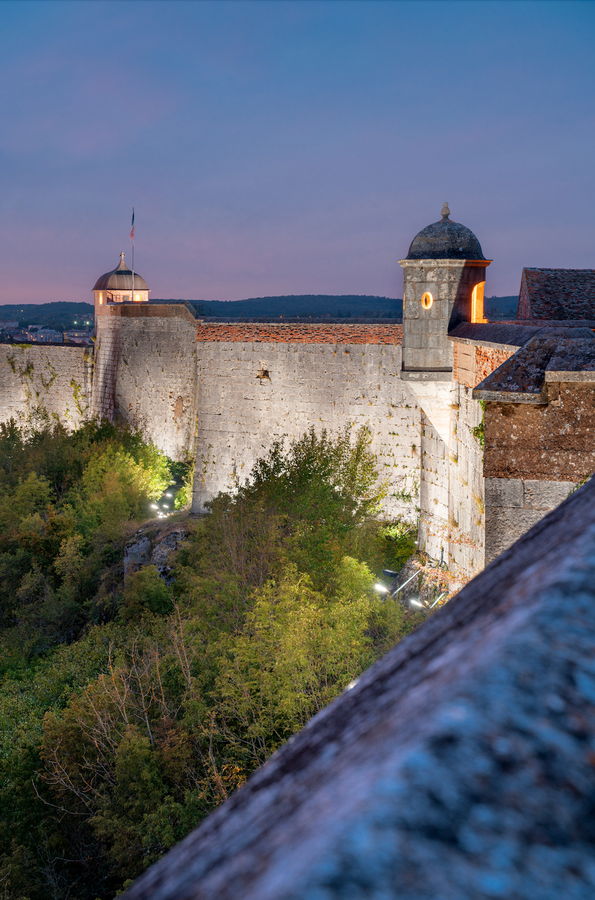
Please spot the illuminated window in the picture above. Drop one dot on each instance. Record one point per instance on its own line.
(427, 300)
(137, 297)
(101, 299)
(477, 303)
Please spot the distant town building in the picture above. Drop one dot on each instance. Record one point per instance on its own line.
(16, 334)
(45, 336)
(7, 326)
(78, 337)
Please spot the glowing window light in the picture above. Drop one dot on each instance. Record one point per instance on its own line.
(101, 299)
(427, 300)
(137, 298)
(477, 303)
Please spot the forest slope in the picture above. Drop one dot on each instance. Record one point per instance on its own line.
(135, 697)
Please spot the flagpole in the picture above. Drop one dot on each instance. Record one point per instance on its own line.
(132, 236)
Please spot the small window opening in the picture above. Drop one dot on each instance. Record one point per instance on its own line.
(427, 300)
(477, 303)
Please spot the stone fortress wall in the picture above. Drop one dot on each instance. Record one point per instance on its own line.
(221, 391)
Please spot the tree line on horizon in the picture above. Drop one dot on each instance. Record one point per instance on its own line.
(66, 315)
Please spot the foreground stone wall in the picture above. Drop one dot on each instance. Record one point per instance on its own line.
(46, 379)
(253, 391)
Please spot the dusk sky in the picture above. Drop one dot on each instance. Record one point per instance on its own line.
(289, 147)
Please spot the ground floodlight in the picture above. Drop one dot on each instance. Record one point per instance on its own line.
(380, 588)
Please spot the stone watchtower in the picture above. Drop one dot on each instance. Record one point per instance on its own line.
(111, 288)
(443, 282)
(116, 287)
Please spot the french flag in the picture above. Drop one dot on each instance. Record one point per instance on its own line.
(132, 227)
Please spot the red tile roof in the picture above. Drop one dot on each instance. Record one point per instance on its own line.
(557, 294)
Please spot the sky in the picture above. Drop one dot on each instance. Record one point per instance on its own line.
(289, 147)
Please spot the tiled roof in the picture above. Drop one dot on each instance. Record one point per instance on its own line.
(494, 334)
(556, 354)
(557, 294)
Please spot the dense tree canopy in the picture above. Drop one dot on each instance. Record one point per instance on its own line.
(129, 708)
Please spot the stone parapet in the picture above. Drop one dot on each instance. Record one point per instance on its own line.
(514, 505)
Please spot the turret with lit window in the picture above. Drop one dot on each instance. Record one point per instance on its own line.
(116, 287)
(443, 281)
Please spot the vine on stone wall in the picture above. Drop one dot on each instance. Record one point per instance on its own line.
(478, 431)
(77, 394)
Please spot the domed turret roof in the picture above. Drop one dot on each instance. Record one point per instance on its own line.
(120, 279)
(445, 240)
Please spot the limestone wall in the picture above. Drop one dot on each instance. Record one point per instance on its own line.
(252, 391)
(46, 379)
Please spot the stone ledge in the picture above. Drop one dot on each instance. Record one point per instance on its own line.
(426, 375)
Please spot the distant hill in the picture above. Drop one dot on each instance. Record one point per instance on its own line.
(62, 316)
(339, 306)
(500, 307)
